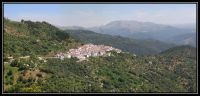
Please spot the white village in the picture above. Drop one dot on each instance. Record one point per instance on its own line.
(88, 50)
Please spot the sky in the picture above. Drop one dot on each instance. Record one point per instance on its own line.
(90, 15)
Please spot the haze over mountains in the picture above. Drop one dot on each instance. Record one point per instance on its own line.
(180, 35)
(72, 27)
(186, 26)
(184, 39)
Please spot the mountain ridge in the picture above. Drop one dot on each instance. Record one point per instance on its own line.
(145, 30)
(140, 47)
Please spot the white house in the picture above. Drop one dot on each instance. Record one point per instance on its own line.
(68, 56)
(109, 54)
(40, 58)
(62, 57)
(150, 62)
(10, 57)
(25, 57)
(45, 60)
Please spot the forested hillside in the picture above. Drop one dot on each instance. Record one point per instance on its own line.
(124, 73)
(25, 42)
(26, 37)
(139, 47)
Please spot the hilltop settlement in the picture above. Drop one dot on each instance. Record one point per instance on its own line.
(88, 50)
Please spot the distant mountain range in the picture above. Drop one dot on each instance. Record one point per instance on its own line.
(186, 26)
(71, 27)
(184, 39)
(142, 30)
(147, 30)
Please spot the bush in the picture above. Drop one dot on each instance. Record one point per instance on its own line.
(9, 73)
(39, 75)
(22, 66)
(15, 63)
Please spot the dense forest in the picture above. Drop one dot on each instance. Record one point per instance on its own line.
(26, 37)
(173, 70)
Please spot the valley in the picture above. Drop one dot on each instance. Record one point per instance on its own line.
(135, 46)
(39, 57)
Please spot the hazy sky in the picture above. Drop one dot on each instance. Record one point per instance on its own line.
(89, 15)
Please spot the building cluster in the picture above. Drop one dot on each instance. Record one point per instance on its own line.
(86, 51)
